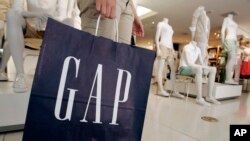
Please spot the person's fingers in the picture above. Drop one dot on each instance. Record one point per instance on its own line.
(104, 8)
(113, 11)
(98, 5)
(108, 11)
(142, 31)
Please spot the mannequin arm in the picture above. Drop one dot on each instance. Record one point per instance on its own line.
(157, 39)
(194, 22)
(209, 27)
(27, 14)
(223, 30)
(18, 6)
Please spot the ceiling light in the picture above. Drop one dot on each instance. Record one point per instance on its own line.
(144, 12)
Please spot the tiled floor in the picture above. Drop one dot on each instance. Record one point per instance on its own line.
(172, 119)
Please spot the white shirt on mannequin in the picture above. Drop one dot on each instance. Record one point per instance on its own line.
(200, 27)
(229, 29)
(191, 55)
(164, 34)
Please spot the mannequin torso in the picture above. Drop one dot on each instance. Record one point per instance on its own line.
(191, 55)
(200, 26)
(164, 34)
(43, 6)
(203, 28)
(229, 29)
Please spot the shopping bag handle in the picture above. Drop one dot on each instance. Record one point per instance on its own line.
(115, 31)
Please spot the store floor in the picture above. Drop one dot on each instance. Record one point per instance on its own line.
(172, 119)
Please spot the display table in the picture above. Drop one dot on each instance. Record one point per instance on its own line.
(13, 106)
(221, 91)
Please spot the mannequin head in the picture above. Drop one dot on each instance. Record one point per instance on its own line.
(165, 20)
(230, 16)
(201, 8)
(194, 43)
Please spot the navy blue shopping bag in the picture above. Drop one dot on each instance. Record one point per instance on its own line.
(87, 88)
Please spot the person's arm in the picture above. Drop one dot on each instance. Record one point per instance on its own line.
(138, 28)
(107, 8)
(157, 39)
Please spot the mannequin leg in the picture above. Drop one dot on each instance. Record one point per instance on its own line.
(15, 24)
(6, 56)
(204, 55)
(198, 83)
(171, 63)
(237, 70)
(155, 70)
(211, 80)
(229, 67)
(160, 89)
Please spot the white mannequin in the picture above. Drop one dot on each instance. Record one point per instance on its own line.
(200, 30)
(36, 15)
(4, 6)
(165, 53)
(191, 62)
(229, 41)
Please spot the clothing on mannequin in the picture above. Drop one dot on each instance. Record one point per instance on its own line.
(4, 6)
(229, 41)
(191, 65)
(18, 19)
(200, 29)
(166, 56)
